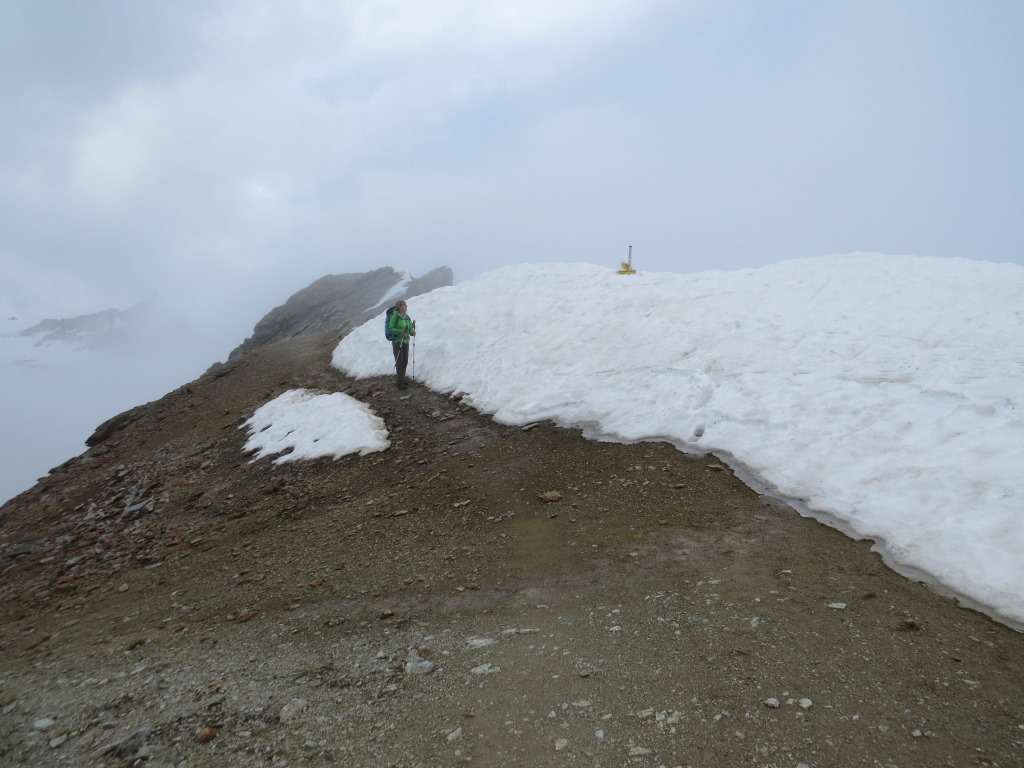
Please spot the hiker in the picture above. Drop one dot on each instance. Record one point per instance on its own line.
(400, 328)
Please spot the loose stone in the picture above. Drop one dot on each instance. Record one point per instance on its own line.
(206, 733)
(417, 665)
(291, 711)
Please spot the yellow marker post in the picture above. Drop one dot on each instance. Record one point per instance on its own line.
(627, 266)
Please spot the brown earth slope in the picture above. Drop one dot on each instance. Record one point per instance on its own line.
(165, 601)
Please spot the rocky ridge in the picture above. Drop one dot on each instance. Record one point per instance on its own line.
(476, 594)
(338, 303)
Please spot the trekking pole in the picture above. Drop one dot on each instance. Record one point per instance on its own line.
(414, 349)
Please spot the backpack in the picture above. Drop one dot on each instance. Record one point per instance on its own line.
(387, 324)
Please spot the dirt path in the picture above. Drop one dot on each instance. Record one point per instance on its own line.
(427, 606)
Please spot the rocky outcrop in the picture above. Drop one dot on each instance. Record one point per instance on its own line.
(116, 424)
(340, 303)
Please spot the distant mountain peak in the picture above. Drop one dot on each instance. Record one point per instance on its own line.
(106, 328)
(81, 330)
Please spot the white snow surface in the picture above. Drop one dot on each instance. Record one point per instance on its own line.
(879, 393)
(396, 290)
(299, 424)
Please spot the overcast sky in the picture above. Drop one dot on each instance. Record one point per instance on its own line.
(219, 149)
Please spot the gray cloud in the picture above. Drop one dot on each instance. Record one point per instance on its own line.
(202, 149)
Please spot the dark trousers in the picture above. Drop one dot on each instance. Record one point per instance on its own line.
(401, 352)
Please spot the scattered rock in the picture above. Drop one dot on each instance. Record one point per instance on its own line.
(292, 711)
(417, 665)
(550, 496)
(127, 747)
(58, 740)
(207, 733)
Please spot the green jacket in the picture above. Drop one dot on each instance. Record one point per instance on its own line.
(401, 327)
